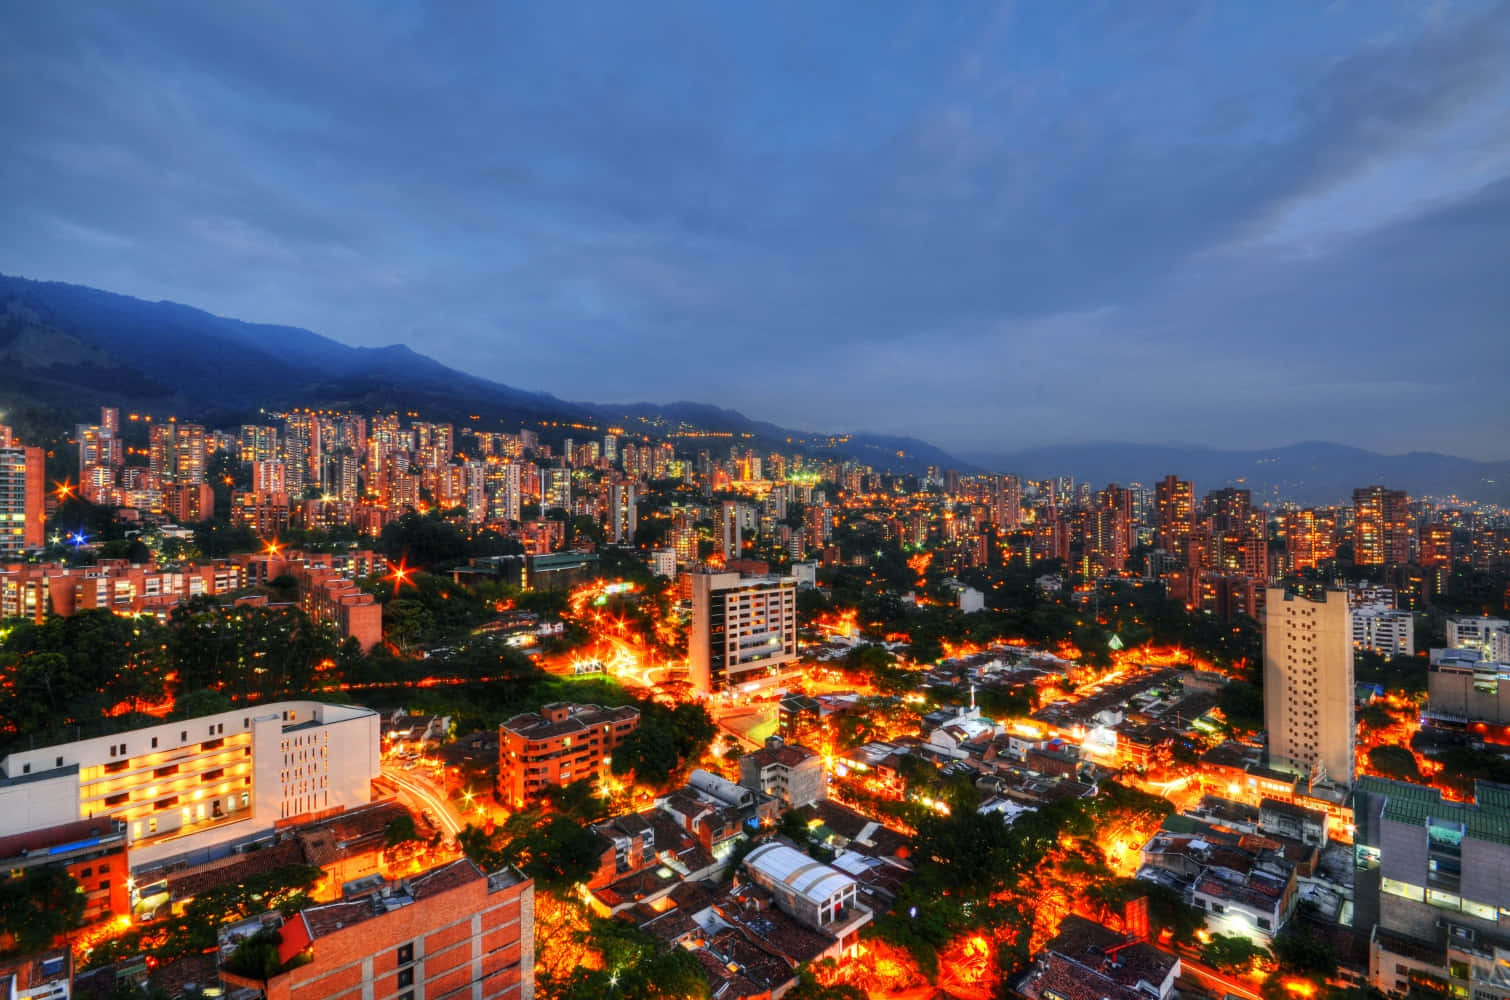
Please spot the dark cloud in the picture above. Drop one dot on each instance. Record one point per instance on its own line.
(996, 226)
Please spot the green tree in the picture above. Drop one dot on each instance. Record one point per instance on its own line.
(1395, 762)
(1232, 953)
(38, 906)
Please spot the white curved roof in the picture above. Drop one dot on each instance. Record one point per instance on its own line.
(813, 880)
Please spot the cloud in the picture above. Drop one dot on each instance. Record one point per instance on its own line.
(995, 226)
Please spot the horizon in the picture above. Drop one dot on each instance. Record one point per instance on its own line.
(974, 457)
(989, 230)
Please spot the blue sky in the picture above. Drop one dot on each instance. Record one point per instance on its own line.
(990, 225)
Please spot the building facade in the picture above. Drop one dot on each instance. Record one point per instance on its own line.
(196, 787)
(452, 931)
(743, 629)
(22, 496)
(1308, 683)
(558, 745)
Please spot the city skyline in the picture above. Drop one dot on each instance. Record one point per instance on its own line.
(951, 228)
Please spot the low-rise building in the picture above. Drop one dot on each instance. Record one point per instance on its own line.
(558, 745)
(790, 773)
(193, 788)
(816, 894)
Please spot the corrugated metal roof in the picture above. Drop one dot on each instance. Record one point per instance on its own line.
(813, 880)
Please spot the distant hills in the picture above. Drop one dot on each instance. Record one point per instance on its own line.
(68, 349)
(1310, 472)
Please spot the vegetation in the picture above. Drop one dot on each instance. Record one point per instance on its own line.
(196, 930)
(37, 906)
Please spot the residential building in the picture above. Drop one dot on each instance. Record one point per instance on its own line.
(22, 498)
(452, 931)
(1381, 526)
(785, 771)
(743, 629)
(1088, 960)
(1308, 683)
(1384, 630)
(1490, 636)
(560, 744)
(92, 851)
(198, 786)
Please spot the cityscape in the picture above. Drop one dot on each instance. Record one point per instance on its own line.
(1076, 565)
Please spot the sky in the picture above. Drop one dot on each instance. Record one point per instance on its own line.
(993, 226)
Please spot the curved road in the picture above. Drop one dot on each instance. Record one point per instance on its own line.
(432, 803)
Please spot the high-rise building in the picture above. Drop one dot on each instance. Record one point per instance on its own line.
(268, 478)
(162, 451)
(1435, 554)
(727, 531)
(1308, 683)
(1381, 526)
(1174, 508)
(1310, 538)
(623, 513)
(1006, 502)
(190, 458)
(743, 629)
(23, 495)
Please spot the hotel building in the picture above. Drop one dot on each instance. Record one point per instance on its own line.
(197, 787)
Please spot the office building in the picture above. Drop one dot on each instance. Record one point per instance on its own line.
(1462, 685)
(452, 931)
(196, 787)
(23, 495)
(1308, 684)
(1443, 897)
(93, 852)
(743, 629)
(1381, 526)
(559, 745)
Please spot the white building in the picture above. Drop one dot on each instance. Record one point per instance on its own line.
(1308, 683)
(663, 563)
(1384, 630)
(971, 600)
(743, 629)
(197, 786)
(814, 893)
(1489, 636)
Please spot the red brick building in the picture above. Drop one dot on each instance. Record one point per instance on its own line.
(558, 745)
(452, 931)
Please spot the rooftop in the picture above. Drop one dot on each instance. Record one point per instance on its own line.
(1487, 818)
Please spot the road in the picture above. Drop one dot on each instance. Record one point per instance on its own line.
(428, 799)
(1218, 984)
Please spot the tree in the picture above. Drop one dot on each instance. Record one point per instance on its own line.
(1232, 953)
(36, 907)
(1297, 949)
(1394, 762)
(1243, 706)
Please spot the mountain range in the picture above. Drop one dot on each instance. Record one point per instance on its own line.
(68, 349)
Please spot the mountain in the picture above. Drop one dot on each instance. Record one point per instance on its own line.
(1310, 472)
(69, 349)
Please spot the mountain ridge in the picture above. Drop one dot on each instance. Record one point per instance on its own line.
(161, 353)
(1306, 471)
